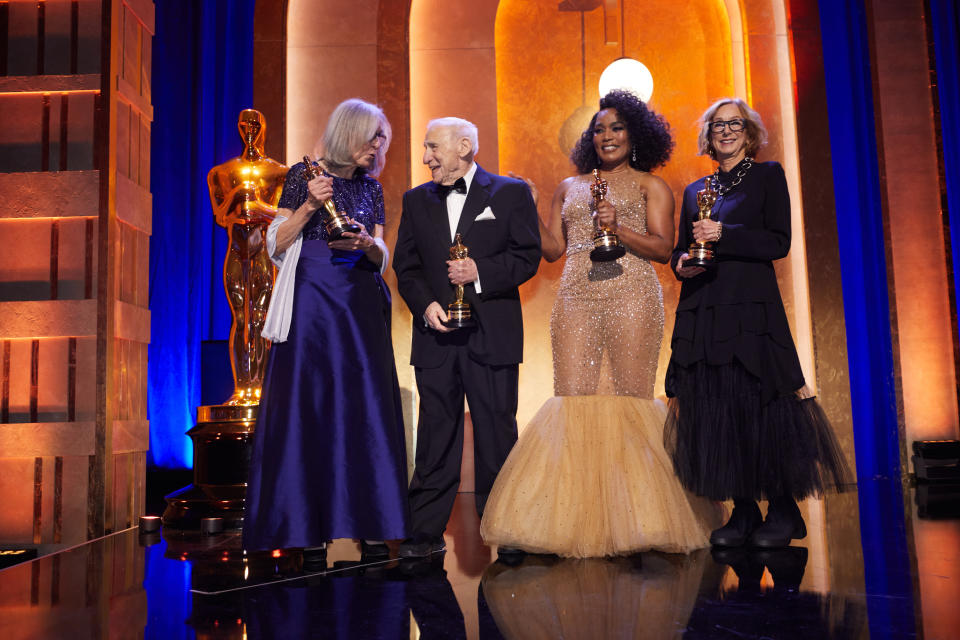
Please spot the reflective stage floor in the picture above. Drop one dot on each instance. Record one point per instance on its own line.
(870, 568)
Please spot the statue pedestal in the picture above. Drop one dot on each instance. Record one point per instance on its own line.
(222, 440)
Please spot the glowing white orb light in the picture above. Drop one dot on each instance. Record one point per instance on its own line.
(629, 74)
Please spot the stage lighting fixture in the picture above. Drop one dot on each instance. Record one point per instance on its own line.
(629, 74)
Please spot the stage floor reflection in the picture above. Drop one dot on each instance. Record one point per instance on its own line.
(878, 563)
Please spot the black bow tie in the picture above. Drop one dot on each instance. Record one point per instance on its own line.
(460, 186)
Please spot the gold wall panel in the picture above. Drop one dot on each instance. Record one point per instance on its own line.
(545, 86)
(74, 322)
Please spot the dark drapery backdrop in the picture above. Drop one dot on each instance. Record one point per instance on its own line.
(202, 79)
(856, 174)
(853, 149)
(945, 20)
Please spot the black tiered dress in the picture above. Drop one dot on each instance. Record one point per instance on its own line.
(740, 424)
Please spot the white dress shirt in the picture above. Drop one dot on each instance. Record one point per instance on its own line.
(455, 202)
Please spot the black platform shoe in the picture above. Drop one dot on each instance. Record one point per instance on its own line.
(745, 518)
(374, 550)
(510, 556)
(315, 558)
(783, 524)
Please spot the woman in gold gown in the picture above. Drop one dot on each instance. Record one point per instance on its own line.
(589, 476)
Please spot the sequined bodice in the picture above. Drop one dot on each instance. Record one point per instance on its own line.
(581, 276)
(607, 321)
(361, 197)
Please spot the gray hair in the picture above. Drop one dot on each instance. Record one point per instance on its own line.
(353, 124)
(752, 125)
(459, 128)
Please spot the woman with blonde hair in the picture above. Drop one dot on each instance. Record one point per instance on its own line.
(329, 456)
(740, 424)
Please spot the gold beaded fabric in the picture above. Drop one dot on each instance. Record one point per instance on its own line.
(589, 476)
(607, 321)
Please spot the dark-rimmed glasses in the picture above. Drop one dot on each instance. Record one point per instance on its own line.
(735, 125)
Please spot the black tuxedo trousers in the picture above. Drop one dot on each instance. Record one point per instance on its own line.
(499, 225)
(491, 392)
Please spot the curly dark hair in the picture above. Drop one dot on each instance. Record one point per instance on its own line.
(648, 132)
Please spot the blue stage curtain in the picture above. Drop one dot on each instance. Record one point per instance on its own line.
(202, 79)
(866, 305)
(945, 19)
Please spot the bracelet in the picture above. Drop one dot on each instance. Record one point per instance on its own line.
(719, 230)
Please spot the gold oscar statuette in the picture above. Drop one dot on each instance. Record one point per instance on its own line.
(244, 194)
(701, 253)
(606, 244)
(336, 221)
(459, 315)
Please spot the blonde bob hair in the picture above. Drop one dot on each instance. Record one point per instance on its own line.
(353, 124)
(753, 127)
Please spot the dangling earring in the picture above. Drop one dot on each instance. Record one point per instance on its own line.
(633, 154)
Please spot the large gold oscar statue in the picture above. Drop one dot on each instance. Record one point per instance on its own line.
(244, 193)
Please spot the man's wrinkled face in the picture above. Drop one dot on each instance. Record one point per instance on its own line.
(443, 153)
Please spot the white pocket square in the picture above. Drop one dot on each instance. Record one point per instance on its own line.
(486, 215)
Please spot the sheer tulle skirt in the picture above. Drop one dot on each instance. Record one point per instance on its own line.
(589, 477)
(725, 442)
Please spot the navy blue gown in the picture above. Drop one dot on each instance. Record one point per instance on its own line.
(329, 455)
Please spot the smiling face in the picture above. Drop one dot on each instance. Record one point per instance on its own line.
(447, 156)
(729, 146)
(611, 140)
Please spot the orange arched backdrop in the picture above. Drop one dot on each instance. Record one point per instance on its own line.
(516, 69)
(549, 62)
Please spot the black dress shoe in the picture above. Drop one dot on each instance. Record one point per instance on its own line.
(421, 546)
(374, 550)
(745, 518)
(783, 524)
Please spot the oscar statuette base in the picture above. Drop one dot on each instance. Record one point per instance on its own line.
(700, 256)
(222, 441)
(606, 247)
(459, 318)
(460, 324)
(336, 228)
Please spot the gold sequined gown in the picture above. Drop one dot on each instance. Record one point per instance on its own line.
(589, 476)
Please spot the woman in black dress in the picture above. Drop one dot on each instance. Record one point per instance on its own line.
(740, 423)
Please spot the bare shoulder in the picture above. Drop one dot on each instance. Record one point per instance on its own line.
(652, 183)
(564, 187)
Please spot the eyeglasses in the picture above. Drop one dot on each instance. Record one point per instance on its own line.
(377, 138)
(735, 125)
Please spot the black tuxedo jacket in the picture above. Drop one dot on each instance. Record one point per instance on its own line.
(505, 249)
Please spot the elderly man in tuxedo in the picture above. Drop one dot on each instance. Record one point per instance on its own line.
(497, 219)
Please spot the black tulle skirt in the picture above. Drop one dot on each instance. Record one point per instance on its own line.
(727, 442)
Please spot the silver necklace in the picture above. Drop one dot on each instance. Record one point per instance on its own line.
(723, 190)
